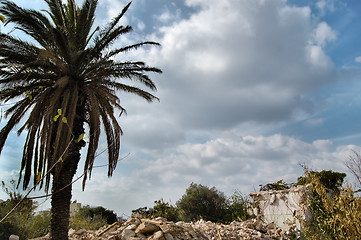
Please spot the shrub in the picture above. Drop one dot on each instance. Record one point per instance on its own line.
(88, 223)
(237, 208)
(279, 185)
(202, 202)
(160, 209)
(329, 179)
(335, 216)
(166, 210)
(23, 221)
(92, 218)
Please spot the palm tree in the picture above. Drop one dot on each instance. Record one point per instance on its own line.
(63, 82)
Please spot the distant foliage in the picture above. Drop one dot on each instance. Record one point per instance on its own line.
(202, 202)
(92, 218)
(160, 209)
(330, 180)
(87, 223)
(237, 208)
(279, 185)
(166, 210)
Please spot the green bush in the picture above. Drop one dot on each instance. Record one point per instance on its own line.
(335, 216)
(166, 210)
(23, 221)
(329, 179)
(160, 209)
(237, 208)
(91, 212)
(92, 218)
(279, 185)
(201, 202)
(79, 222)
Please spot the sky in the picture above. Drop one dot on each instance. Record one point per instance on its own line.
(250, 90)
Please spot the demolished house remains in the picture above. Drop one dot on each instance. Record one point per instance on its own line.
(282, 207)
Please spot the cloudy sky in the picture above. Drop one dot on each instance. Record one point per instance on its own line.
(250, 89)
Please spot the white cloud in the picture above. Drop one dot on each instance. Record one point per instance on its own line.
(358, 59)
(113, 9)
(234, 62)
(168, 16)
(323, 33)
(325, 6)
(323, 145)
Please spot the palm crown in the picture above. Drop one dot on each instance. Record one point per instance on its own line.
(64, 79)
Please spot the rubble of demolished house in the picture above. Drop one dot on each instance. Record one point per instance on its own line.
(139, 228)
(278, 213)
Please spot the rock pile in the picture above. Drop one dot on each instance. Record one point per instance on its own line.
(139, 228)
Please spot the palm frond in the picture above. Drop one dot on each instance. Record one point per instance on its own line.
(63, 81)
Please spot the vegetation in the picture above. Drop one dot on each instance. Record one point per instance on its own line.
(354, 165)
(279, 185)
(24, 222)
(329, 179)
(27, 223)
(201, 202)
(237, 208)
(62, 84)
(92, 218)
(334, 216)
(160, 209)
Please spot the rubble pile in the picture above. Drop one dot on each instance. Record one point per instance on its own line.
(139, 228)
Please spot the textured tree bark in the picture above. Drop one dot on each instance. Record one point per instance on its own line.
(61, 189)
(60, 205)
(62, 185)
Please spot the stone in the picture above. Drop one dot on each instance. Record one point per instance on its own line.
(147, 228)
(158, 235)
(80, 232)
(127, 233)
(14, 237)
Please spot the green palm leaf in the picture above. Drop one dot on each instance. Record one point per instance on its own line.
(65, 74)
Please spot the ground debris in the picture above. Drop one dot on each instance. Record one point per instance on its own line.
(140, 228)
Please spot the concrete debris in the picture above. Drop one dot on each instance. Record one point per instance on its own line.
(283, 207)
(139, 228)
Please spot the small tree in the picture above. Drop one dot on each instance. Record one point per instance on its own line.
(354, 165)
(160, 209)
(330, 180)
(23, 222)
(202, 202)
(237, 208)
(92, 218)
(166, 210)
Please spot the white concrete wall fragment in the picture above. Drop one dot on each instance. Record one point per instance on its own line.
(282, 207)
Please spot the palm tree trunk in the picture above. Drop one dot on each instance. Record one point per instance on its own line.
(60, 205)
(61, 189)
(62, 184)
